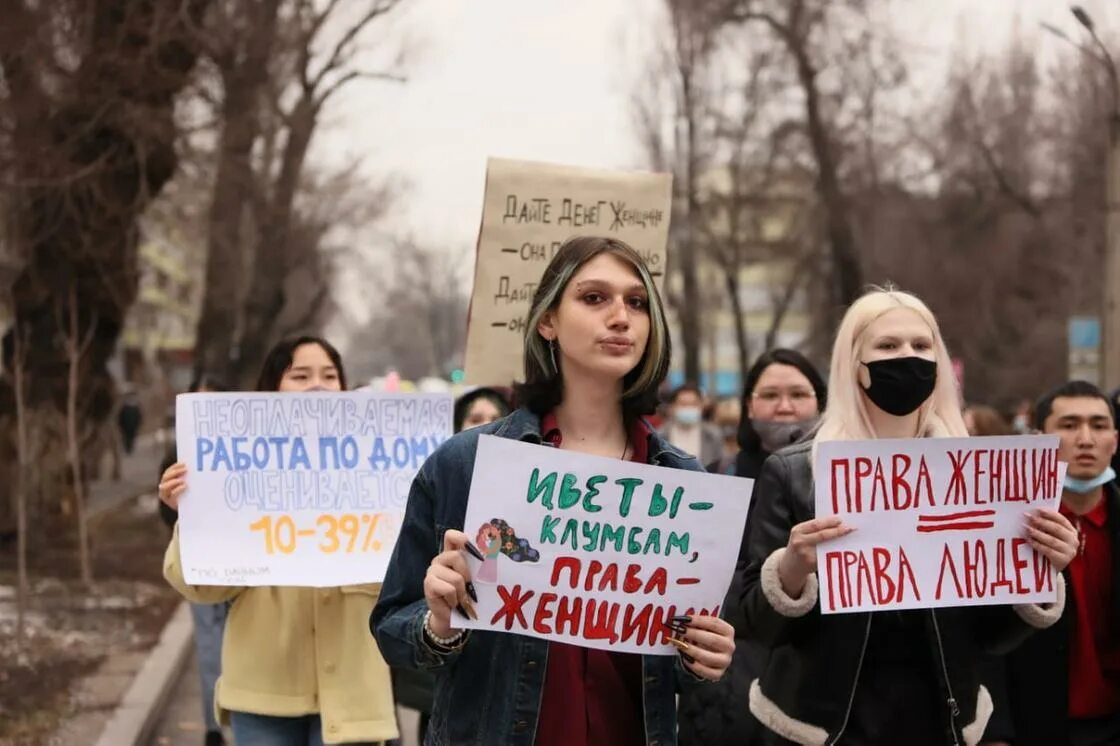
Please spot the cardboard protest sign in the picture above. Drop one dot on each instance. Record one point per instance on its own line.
(594, 551)
(299, 489)
(939, 521)
(529, 210)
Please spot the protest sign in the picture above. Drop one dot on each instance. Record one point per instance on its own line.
(939, 521)
(529, 210)
(594, 551)
(299, 489)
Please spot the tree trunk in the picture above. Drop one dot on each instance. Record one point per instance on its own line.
(848, 284)
(690, 287)
(266, 291)
(244, 79)
(86, 158)
(217, 324)
(22, 486)
(742, 339)
(76, 347)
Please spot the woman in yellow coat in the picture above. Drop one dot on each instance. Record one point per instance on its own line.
(299, 667)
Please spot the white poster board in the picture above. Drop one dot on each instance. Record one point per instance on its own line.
(594, 551)
(299, 489)
(529, 210)
(938, 521)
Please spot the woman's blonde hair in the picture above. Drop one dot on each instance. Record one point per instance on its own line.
(846, 417)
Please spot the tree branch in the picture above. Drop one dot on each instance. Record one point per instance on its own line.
(1005, 186)
(381, 7)
(1003, 183)
(781, 304)
(330, 90)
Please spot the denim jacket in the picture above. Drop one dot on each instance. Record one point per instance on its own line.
(488, 693)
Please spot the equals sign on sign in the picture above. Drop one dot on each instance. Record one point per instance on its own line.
(968, 520)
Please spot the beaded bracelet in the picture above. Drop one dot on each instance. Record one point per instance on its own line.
(443, 642)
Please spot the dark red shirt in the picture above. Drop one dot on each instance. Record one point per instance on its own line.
(1094, 649)
(592, 696)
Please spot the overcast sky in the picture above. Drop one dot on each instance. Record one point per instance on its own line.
(550, 80)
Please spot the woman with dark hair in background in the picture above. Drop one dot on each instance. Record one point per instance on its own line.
(783, 396)
(479, 406)
(298, 665)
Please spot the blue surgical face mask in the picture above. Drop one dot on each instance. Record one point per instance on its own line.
(1085, 486)
(687, 415)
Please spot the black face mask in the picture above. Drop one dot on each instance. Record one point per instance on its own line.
(899, 385)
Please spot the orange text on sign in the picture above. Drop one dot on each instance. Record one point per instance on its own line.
(349, 532)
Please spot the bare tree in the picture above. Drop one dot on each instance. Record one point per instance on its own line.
(87, 139)
(800, 26)
(734, 130)
(758, 211)
(19, 360)
(334, 213)
(317, 79)
(683, 68)
(77, 342)
(1005, 248)
(241, 48)
(421, 329)
(799, 276)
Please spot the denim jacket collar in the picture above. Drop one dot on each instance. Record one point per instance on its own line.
(524, 425)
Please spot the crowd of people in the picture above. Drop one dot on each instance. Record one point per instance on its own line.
(309, 666)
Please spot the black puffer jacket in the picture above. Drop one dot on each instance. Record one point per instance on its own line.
(807, 691)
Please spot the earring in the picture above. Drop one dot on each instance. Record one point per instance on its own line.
(552, 352)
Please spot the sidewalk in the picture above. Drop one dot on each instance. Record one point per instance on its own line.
(139, 475)
(181, 723)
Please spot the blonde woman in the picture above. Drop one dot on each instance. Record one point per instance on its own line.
(907, 677)
(596, 351)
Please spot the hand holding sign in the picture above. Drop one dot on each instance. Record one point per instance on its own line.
(172, 484)
(447, 584)
(706, 644)
(1051, 534)
(800, 559)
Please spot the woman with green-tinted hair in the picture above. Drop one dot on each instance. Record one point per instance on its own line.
(596, 351)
